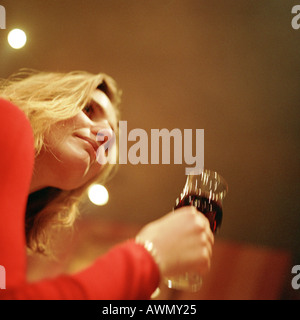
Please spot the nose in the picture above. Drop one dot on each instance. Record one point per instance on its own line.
(104, 134)
(101, 128)
(105, 138)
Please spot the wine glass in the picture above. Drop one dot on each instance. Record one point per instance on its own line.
(206, 191)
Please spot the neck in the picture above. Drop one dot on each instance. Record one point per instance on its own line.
(39, 178)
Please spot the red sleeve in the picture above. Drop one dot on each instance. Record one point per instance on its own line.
(127, 271)
(16, 165)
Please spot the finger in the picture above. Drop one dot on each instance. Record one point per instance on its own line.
(206, 243)
(208, 229)
(186, 209)
(203, 221)
(211, 237)
(207, 262)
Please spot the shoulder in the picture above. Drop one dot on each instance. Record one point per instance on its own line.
(13, 120)
(11, 113)
(15, 129)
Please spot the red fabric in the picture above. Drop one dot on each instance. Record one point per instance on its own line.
(127, 271)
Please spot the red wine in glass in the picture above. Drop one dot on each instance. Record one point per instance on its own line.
(210, 208)
(206, 192)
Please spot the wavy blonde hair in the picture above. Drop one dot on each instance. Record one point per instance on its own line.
(47, 98)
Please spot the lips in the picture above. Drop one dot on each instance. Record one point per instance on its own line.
(93, 145)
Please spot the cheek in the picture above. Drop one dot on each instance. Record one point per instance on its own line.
(72, 154)
(69, 158)
(67, 154)
(59, 139)
(58, 133)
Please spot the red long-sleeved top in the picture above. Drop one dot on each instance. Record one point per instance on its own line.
(127, 271)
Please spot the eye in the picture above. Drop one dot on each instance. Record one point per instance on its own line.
(88, 110)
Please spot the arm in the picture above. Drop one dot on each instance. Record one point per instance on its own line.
(126, 272)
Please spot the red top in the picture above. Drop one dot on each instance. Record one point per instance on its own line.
(127, 271)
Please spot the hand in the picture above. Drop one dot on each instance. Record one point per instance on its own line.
(183, 241)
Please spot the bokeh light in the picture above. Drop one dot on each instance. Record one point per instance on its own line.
(98, 194)
(17, 38)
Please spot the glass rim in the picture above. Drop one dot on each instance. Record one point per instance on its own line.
(212, 175)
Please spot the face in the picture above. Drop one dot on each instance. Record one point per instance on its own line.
(70, 158)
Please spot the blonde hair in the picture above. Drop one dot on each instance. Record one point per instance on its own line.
(47, 98)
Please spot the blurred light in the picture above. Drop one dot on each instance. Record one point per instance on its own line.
(98, 194)
(17, 38)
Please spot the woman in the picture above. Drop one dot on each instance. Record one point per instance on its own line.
(48, 128)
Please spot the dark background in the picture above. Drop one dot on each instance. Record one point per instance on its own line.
(228, 67)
